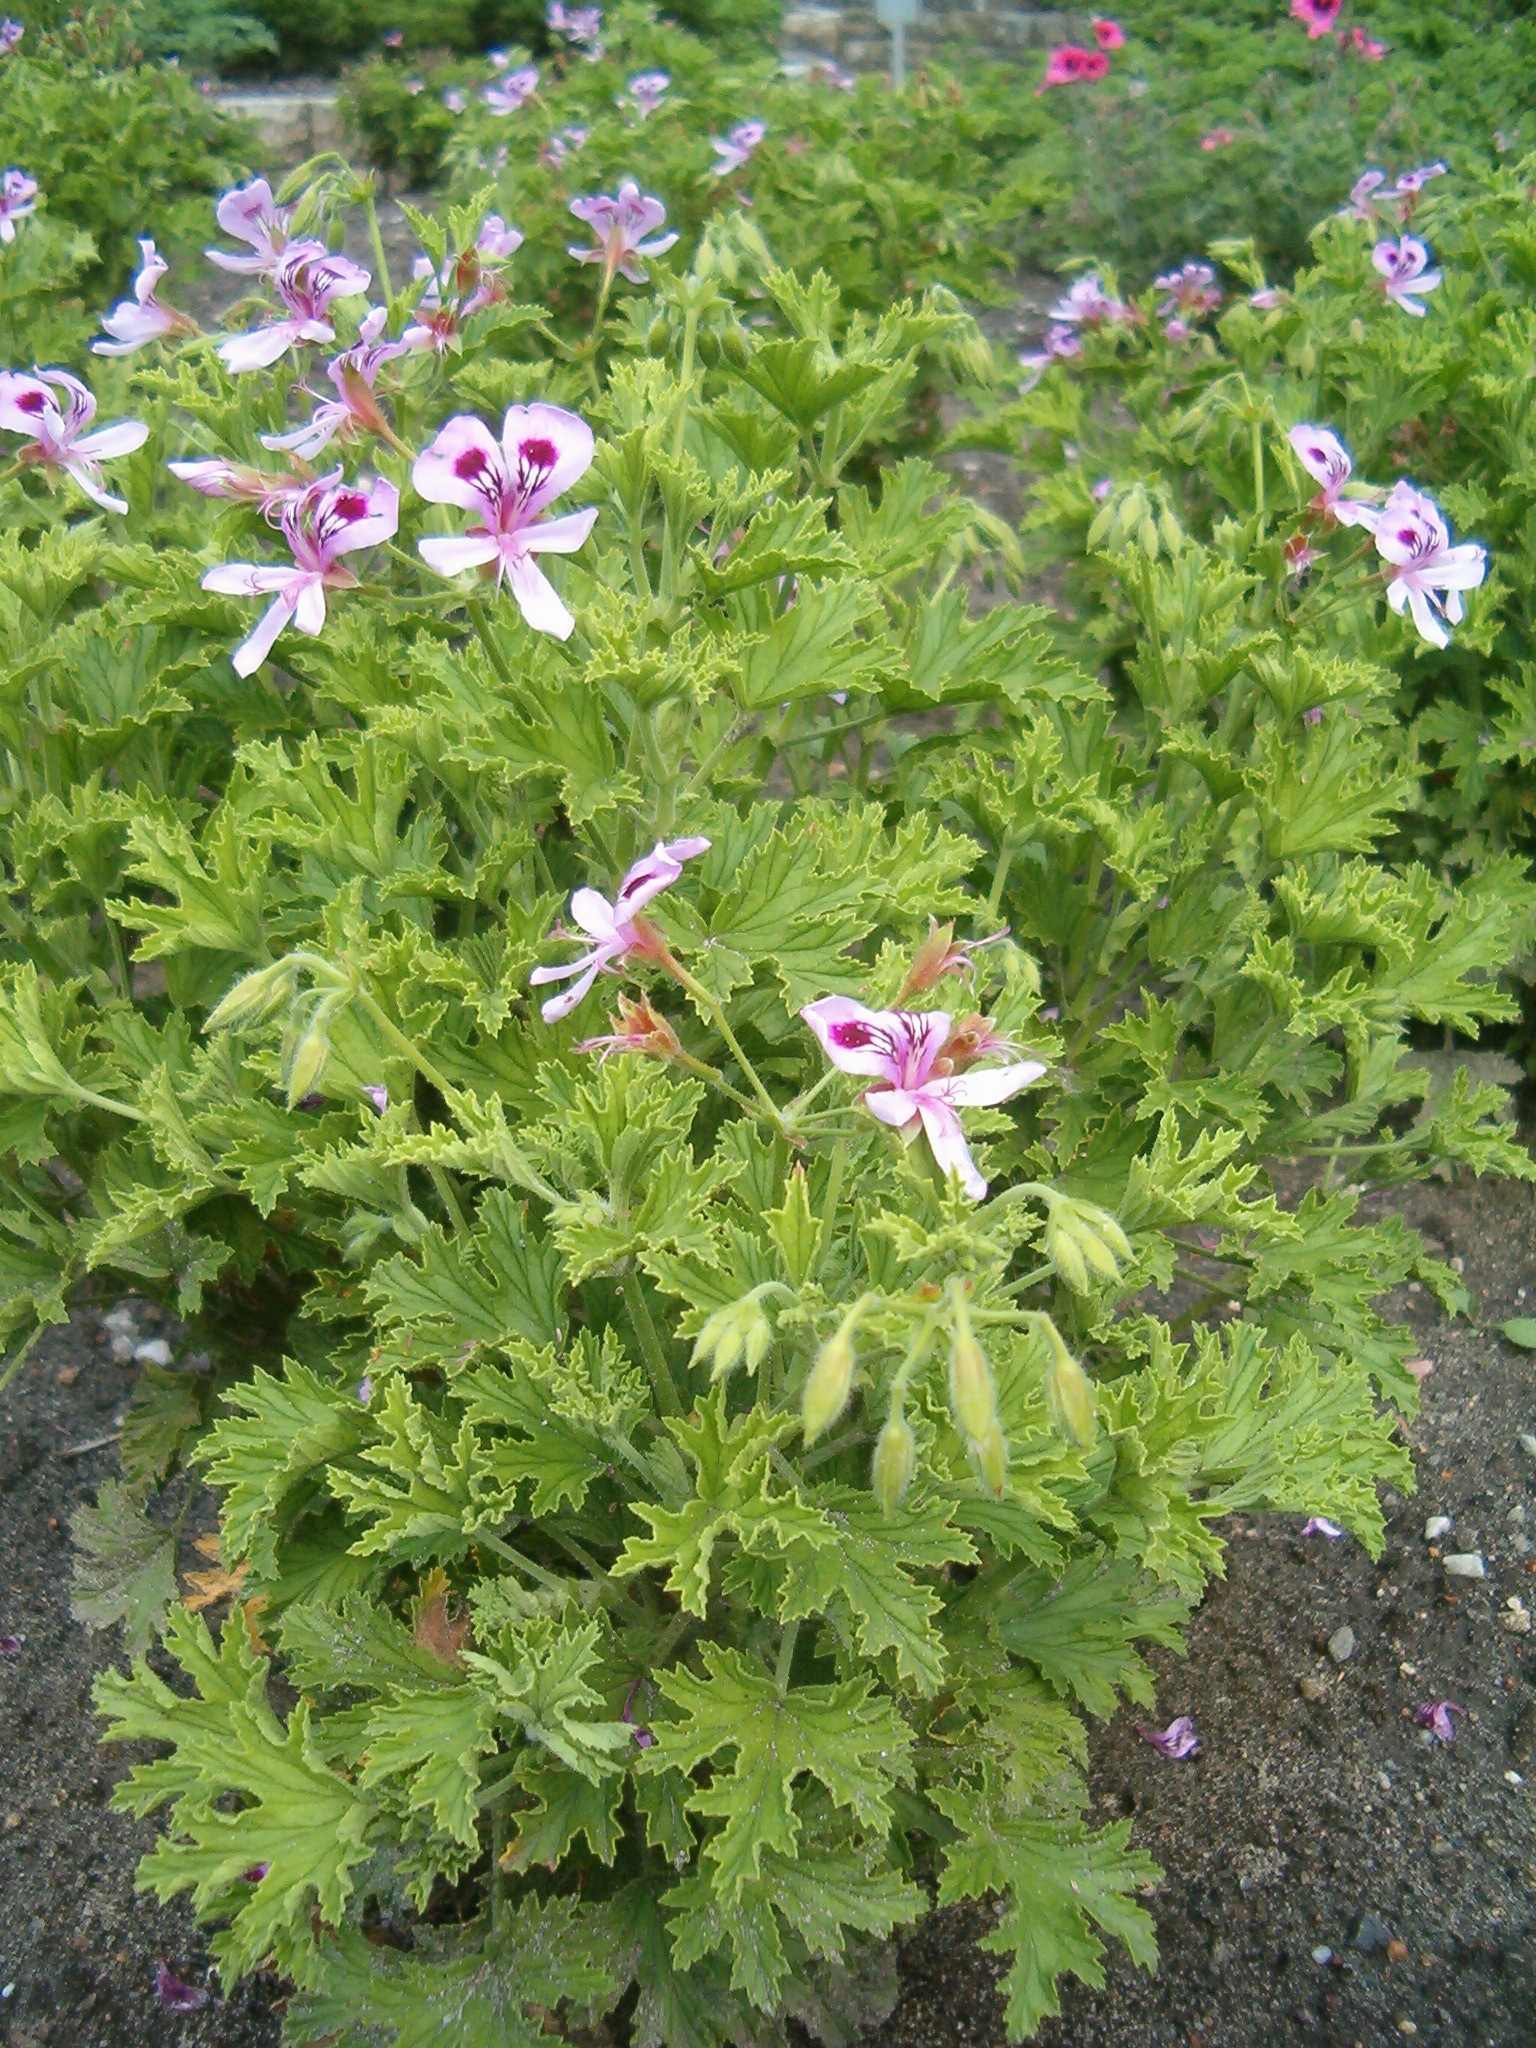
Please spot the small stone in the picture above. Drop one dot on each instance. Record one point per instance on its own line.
(1312, 1689)
(1516, 1516)
(1341, 1644)
(1407, 2027)
(1513, 1778)
(121, 1347)
(1516, 1616)
(1465, 1564)
(1397, 1950)
(1384, 1781)
(1438, 1526)
(154, 1351)
(1527, 1444)
(1372, 1934)
(1322, 1955)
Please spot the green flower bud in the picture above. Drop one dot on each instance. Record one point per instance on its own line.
(895, 1461)
(657, 337)
(735, 347)
(738, 1334)
(1080, 1236)
(308, 1059)
(971, 1392)
(828, 1385)
(253, 998)
(1069, 1393)
(989, 1453)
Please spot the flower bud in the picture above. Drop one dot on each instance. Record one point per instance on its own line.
(1080, 1236)
(1069, 1393)
(828, 1385)
(738, 1334)
(971, 1392)
(308, 1057)
(989, 1453)
(895, 1461)
(735, 347)
(253, 998)
(657, 337)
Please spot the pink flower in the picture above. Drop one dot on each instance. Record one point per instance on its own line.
(1087, 304)
(1366, 46)
(1316, 16)
(543, 451)
(1060, 343)
(252, 215)
(1109, 35)
(648, 90)
(1219, 138)
(11, 33)
(378, 1095)
(327, 520)
(1435, 1715)
(1192, 291)
(57, 440)
(734, 150)
(355, 411)
(1071, 65)
(1425, 573)
(825, 72)
(393, 38)
(497, 59)
(576, 24)
(1401, 266)
(1100, 491)
(214, 477)
(1177, 1741)
(454, 100)
(903, 1049)
(560, 146)
(514, 91)
(1313, 715)
(1299, 557)
(616, 929)
(1265, 299)
(496, 241)
(1319, 1525)
(1412, 183)
(1323, 456)
(1361, 204)
(621, 225)
(18, 198)
(174, 1995)
(142, 318)
(308, 280)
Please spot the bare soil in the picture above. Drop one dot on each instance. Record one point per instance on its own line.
(1316, 1817)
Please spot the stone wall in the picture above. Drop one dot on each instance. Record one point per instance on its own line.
(849, 33)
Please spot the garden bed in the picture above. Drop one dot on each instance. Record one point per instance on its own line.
(1279, 1840)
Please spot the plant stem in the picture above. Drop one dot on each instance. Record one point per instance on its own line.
(652, 1355)
(22, 1355)
(786, 1658)
(376, 239)
(536, 1572)
(493, 653)
(717, 1017)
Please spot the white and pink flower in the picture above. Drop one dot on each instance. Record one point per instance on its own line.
(134, 322)
(251, 215)
(354, 410)
(1403, 267)
(1087, 304)
(543, 450)
(56, 438)
(18, 198)
(616, 930)
(214, 476)
(1425, 574)
(1324, 457)
(1192, 291)
(513, 91)
(308, 280)
(903, 1050)
(328, 520)
(1362, 196)
(625, 226)
(734, 150)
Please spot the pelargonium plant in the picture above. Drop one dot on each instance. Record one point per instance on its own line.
(713, 1099)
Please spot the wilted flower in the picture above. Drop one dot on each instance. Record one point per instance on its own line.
(643, 1736)
(1087, 304)
(1402, 267)
(513, 91)
(616, 929)
(1177, 1740)
(57, 440)
(1219, 138)
(1299, 557)
(175, 1995)
(1366, 46)
(463, 287)
(1361, 193)
(1109, 35)
(308, 279)
(1319, 1525)
(942, 953)
(1425, 573)
(1191, 291)
(648, 89)
(454, 100)
(11, 33)
(1323, 456)
(355, 410)
(543, 451)
(252, 215)
(621, 225)
(322, 523)
(1316, 16)
(639, 1029)
(1435, 1715)
(732, 151)
(214, 477)
(1071, 65)
(903, 1049)
(134, 322)
(18, 198)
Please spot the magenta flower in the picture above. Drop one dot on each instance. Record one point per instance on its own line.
(354, 411)
(308, 279)
(252, 216)
(648, 89)
(1319, 1525)
(18, 198)
(1435, 1715)
(616, 929)
(1361, 195)
(1191, 291)
(322, 523)
(1177, 1741)
(1299, 557)
(57, 440)
(134, 322)
(733, 151)
(11, 33)
(543, 451)
(1366, 46)
(1072, 65)
(1109, 35)
(1401, 266)
(1316, 16)
(621, 226)
(1323, 456)
(214, 477)
(1425, 573)
(903, 1049)
(175, 1995)
(513, 91)
(1087, 304)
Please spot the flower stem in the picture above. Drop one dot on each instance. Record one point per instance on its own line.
(787, 1643)
(376, 239)
(652, 1356)
(482, 626)
(717, 1017)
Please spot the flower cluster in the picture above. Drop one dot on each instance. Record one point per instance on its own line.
(1071, 64)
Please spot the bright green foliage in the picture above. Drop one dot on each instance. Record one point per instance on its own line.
(571, 1620)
